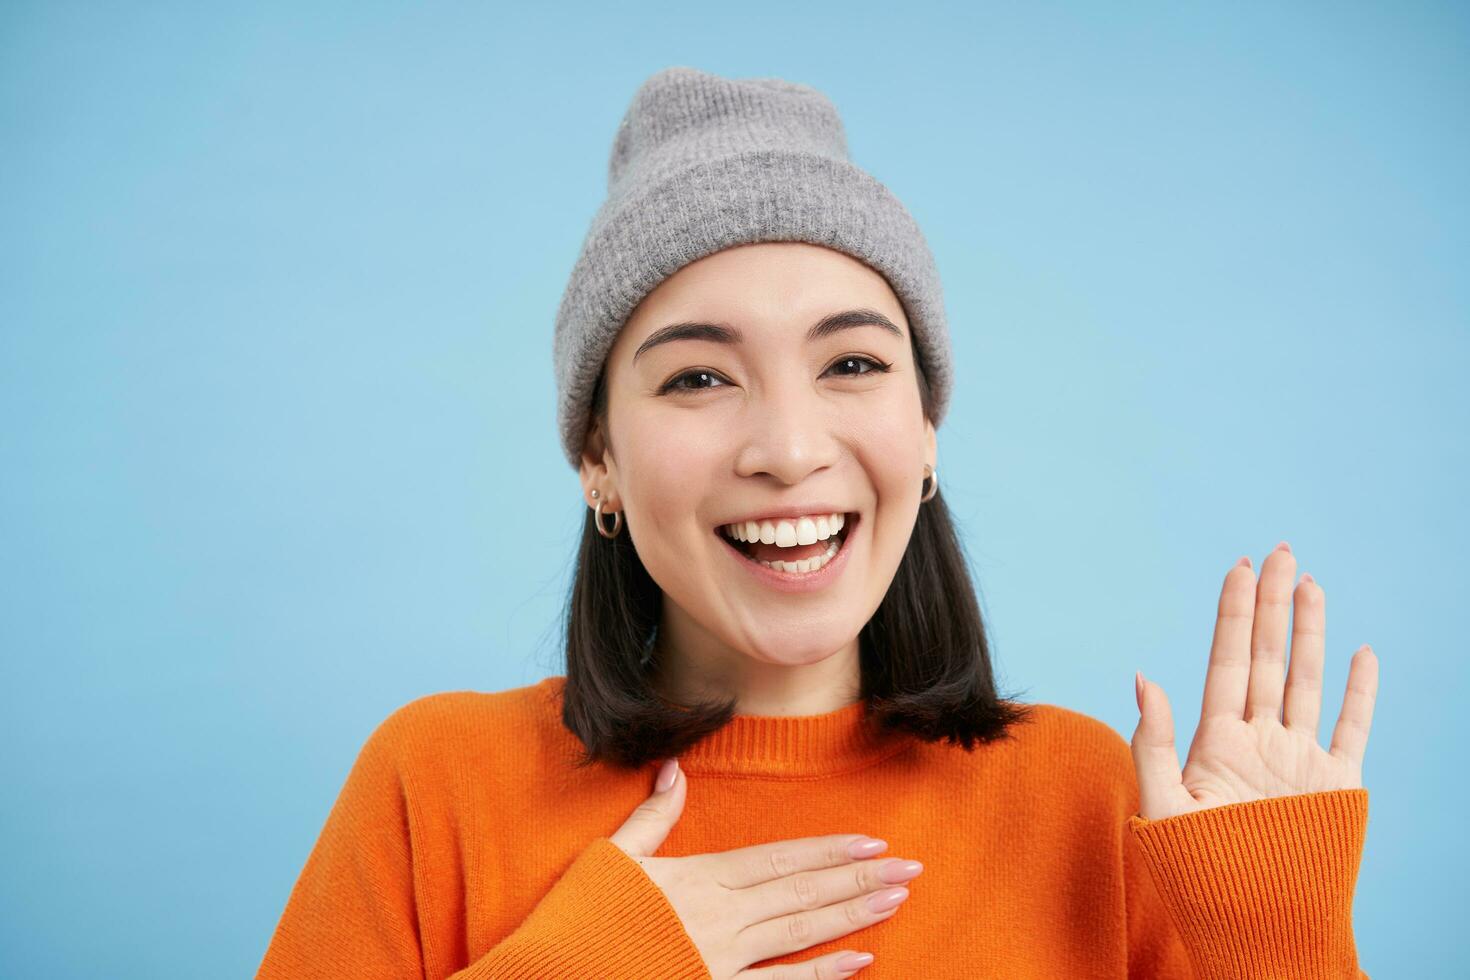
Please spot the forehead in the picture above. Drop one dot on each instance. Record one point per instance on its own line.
(770, 290)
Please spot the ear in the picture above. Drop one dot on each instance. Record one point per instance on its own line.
(593, 469)
(931, 445)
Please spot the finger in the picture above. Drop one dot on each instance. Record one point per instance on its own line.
(819, 968)
(807, 890)
(743, 867)
(1308, 638)
(1230, 650)
(1268, 635)
(1155, 758)
(1350, 737)
(643, 833)
(802, 930)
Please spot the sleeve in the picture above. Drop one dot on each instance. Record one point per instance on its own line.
(354, 911)
(1249, 890)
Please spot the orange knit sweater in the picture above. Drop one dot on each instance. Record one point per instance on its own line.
(464, 845)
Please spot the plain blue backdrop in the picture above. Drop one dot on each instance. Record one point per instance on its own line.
(277, 445)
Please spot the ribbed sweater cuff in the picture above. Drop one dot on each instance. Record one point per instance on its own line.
(1262, 889)
(603, 918)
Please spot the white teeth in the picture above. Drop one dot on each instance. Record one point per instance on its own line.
(805, 564)
(787, 533)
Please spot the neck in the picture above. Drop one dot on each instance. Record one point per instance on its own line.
(692, 672)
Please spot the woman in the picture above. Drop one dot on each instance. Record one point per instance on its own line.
(752, 361)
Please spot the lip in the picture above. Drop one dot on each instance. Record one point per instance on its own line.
(796, 582)
(792, 511)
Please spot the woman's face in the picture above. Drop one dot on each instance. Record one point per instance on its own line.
(703, 433)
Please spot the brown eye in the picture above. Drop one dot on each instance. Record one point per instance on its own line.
(876, 366)
(674, 385)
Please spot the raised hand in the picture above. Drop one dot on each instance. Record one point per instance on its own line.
(767, 900)
(1247, 747)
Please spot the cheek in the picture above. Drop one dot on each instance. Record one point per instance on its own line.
(891, 449)
(891, 455)
(666, 472)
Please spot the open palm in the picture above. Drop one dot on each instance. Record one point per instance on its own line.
(1249, 744)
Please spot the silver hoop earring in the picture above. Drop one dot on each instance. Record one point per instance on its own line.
(617, 520)
(933, 487)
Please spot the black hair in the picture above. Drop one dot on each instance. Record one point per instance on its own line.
(924, 657)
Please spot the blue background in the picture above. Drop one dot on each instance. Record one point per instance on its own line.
(277, 449)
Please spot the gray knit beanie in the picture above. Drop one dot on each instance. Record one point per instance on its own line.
(701, 163)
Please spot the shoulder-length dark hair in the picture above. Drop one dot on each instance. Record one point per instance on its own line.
(924, 658)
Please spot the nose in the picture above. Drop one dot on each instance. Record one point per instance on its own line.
(789, 433)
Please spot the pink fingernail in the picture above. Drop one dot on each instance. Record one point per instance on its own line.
(666, 775)
(1138, 688)
(1308, 577)
(866, 847)
(895, 871)
(888, 899)
(1283, 546)
(854, 961)
(1244, 560)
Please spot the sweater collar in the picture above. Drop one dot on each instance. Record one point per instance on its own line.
(790, 746)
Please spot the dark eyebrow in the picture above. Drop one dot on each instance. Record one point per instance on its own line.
(723, 333)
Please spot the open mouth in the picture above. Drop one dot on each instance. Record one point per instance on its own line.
(800, 559)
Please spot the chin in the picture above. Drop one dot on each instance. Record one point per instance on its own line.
(783, 653)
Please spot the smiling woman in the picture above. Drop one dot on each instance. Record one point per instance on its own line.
(737, 391)
(779, 627)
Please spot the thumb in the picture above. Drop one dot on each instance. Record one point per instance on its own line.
(644, 831)
(1154, 757)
